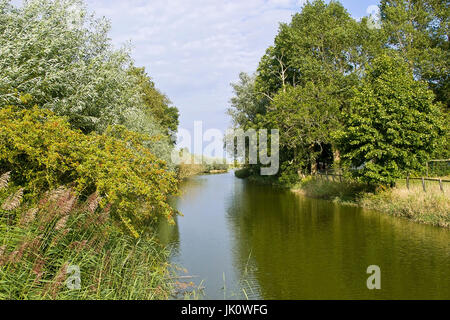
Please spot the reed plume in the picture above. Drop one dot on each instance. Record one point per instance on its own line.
(93, 201)
(14, 257)
(13, 201)
(28, 217)
(61, 224)
(2, 254)
(4, 180)
(55, 285)
(66, 202)
(37, 269)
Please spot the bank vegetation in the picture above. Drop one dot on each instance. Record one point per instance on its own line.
(85, 167)
(367, 98)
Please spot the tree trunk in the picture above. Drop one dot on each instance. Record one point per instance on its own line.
(336, 158)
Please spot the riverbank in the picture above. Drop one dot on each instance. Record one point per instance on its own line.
(190, 170)
(431, 207)
(62, 249)
(263, 242)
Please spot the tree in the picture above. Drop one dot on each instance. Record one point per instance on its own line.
(60, 56)
(393, 126)
(307, 77)
(57, 56)
(157, 106)
(306, 117)
(419, 31)
(246, 104)
(321, 44)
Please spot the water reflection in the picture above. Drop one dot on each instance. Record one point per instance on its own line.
(257, 241)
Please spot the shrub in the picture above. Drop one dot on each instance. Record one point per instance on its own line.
(329, 190)
(243, 173)
(43, 152)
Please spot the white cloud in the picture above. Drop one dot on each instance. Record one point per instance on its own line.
(195, 48)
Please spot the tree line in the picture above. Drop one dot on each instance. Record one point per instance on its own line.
(77, 111)
(363, 96)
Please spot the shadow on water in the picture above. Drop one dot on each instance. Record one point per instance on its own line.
(254, 241)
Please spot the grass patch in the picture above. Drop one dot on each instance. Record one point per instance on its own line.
(243, 173)
(42, 247)
(329, 190)
(431, 207)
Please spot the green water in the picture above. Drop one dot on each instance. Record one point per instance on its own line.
(246, 240)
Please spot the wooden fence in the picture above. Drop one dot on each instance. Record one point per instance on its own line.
(423, 179)
(340, 178)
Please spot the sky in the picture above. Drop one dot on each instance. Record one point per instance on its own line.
(194, 49)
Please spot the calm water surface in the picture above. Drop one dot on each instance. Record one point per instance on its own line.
(246, 240)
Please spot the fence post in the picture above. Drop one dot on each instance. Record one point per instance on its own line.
(423, 184)
(407, 181)
(441, 185)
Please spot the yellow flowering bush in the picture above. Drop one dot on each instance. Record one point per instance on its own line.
(43, 152)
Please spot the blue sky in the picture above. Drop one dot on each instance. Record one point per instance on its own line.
(194, 49)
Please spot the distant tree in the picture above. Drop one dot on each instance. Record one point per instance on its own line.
(393, 126)
(156, 104)
(246, 104)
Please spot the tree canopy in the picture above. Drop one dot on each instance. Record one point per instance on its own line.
(60, 56)
(393, 126)
(323, 74)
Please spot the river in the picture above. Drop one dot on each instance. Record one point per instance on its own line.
(252, 241)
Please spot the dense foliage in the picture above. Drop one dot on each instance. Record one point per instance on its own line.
(157, 106)
(85, 166)
(44, 246)
(418, 30)
(326, 70)
(59, 56)
(115, 137)
(43, 152)
(393, 125)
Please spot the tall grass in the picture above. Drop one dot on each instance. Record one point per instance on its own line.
(41, 245)
(201, 165)
(431, 207)
(330, 190)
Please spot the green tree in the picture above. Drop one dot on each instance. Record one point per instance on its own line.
(57, 55)
(157, 105)
(306, 117)
(419, 31)
(307, 78)
(393, 126)
(322, 43)
(246, 104)
(61, 57)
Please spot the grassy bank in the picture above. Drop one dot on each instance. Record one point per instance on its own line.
(201, 165)
(431, 207)
(45, 248)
